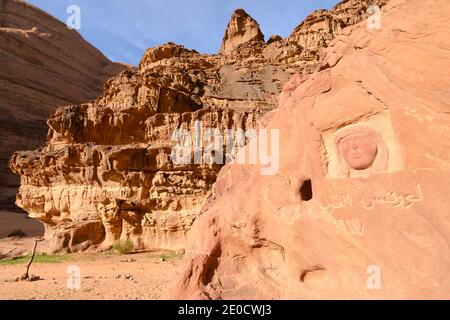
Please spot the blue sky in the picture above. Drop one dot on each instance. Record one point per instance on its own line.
(123, 29)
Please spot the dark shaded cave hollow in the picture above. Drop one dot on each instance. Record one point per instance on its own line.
(306, 193)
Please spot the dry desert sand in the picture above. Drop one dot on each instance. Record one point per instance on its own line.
(103, 276)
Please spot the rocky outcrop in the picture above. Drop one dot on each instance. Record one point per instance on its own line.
(299, 53)
(359, 206)
(108, 172)
(240, 30)
(43, 65)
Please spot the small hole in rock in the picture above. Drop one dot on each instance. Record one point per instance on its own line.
(306, 193)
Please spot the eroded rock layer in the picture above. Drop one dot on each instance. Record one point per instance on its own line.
(43, 65)
(359, 207)
(106, 172)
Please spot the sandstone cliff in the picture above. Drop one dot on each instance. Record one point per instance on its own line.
(43, 65)
(105, 173)
(359, 207)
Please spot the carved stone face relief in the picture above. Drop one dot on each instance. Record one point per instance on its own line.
(362, 149)
(358, 148)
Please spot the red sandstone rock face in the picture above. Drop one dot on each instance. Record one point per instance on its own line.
(105, 173)
(363, 183)
(43, 65)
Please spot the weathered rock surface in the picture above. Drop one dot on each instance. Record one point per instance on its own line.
(240, 30)
(105, 173)
(359, 207)
(43, 65)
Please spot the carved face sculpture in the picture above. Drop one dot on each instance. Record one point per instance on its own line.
(358, 148)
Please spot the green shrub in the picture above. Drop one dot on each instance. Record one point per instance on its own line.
(123, 246)
(17, 233)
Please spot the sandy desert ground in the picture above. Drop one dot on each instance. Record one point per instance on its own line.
(104, 275)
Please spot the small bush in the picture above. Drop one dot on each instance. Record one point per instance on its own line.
(17, 233)
(123, 246)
